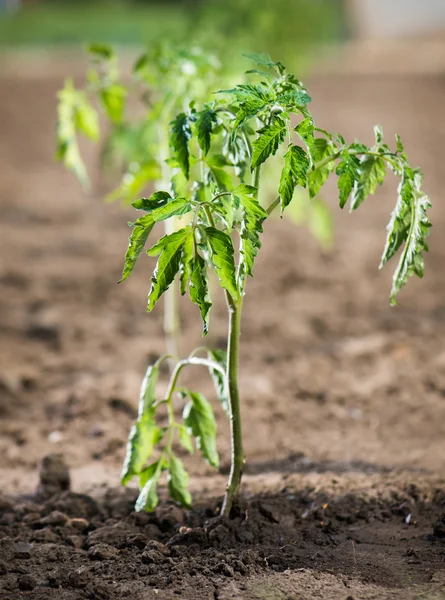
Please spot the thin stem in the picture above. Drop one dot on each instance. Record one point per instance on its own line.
(237, 460)
(273, 205)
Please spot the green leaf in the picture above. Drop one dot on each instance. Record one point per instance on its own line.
(156, 200)
(185, 439)
(147, 395)
(185, 267)
(348, 171)
(295, 171)
(74, 114)
(180, 134)
(144, 435)
(219, 381)
(264, 60)
(323, 148)
(169, 248)
(148, 498)
(200, 422)
(207, 119)
(222, 178)
(372, 171)
(102, 51)
(223, 258)
(409, 224)
(268, 142)
(305, 130)
(178, 481)
(199, 290)
(113, 100)
(294, 98)
(138, 238)
(173, 208)
(253, 215)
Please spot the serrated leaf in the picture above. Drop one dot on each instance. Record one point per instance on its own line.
(323, 148)
(113, 101)
(205, 122)
(141, 230)
(148, 498)
(223, 258)
(219, 381)
(348, 171)
(264, 60)
(156, 200)
(294, 98)
(200, 422)
(144, 435)
(199, 290)
(169, 249)
(147, 394)
(268, 142)
(180, 134)
(174, 208)
(295, 171)
(411, 261)
(253, 215)
(372, 172)
(185, 439)
(305, 130)
(185, 267)
(178, 481)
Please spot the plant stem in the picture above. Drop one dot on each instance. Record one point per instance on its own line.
(171, 325)
(237, 460)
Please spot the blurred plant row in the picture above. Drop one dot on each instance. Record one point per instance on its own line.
(289, 28)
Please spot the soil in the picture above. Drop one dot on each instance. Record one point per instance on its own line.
(343, 396)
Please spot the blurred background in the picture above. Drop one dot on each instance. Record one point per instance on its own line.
(356, 380)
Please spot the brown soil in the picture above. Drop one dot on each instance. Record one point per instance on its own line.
(343, 396)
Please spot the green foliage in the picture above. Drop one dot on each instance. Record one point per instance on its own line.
(200, 422)
(218, 153)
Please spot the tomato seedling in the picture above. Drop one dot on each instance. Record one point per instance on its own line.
(219, 149)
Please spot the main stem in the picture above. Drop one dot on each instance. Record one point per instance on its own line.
(237, 462)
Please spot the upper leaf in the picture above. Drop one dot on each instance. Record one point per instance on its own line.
(223, 258)
(268, 142)
(169, 248)
(199, 290)
(323, 149)
(138, 238)
(372, 171)
(156, 200)
(296, 165)
(205, 122)
(180, 134)
(200, 420)
(410, 224)
(348, 171)
(253, 215)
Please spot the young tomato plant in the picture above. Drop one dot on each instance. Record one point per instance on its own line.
(165, 81)
(220, 149)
